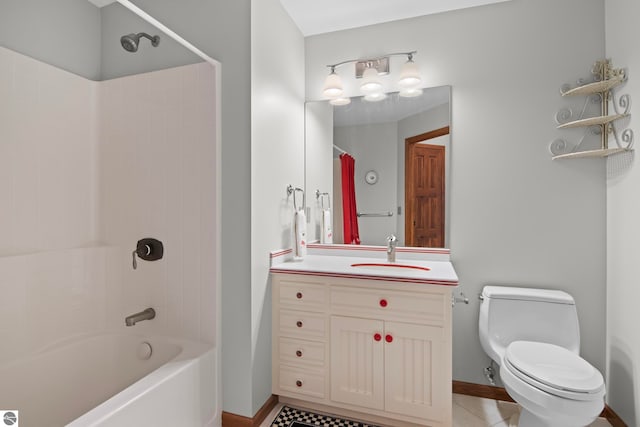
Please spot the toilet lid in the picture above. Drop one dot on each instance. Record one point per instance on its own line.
(554, 366)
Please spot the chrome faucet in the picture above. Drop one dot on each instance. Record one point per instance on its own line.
(147, 314)
(392, 242)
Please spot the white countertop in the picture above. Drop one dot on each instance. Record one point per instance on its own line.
(440, 272)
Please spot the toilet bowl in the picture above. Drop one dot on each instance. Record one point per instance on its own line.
(539, 362)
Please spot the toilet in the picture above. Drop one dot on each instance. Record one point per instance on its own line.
(533, 335)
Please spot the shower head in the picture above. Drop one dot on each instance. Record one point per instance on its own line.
(130, 41)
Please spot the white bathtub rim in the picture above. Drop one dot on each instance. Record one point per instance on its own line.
(146, 384)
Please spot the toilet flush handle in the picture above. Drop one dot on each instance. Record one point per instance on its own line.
(462, 298)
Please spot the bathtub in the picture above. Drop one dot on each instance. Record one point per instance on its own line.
(114, 380)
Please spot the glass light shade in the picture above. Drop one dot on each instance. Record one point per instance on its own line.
(409, 75)
(410, 93)
(340, 101)
(370, 81)
(332, 86)
(375, 97)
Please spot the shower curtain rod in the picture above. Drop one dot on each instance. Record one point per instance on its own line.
(159, 25)
(335, 147)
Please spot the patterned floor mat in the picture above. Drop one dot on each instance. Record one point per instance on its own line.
(292, 417)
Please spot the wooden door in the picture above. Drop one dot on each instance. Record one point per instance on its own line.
(414, 371)
(357, 361)
(425, 191)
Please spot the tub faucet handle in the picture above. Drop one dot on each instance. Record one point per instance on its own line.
(148, 249)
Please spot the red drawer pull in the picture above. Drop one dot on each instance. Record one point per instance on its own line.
(299, 353)
(299, 323)
(299, 295)
(388, 338)
(377, 337)
(383, 302)
(298, 383)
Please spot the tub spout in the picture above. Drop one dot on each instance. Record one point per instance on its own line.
(147, 314)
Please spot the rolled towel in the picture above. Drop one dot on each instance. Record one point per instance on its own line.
(326, 233)
(300, 234)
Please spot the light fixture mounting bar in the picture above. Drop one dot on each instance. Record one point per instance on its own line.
(381, 63)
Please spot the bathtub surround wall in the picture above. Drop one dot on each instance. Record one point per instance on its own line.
(77, 199)
(157, 179)
(47, 168)
(517, 216)
(623, 211)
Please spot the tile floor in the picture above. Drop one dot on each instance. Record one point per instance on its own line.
(469, 411)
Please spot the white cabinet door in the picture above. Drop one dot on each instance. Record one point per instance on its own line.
(357, 361)
(414, 376)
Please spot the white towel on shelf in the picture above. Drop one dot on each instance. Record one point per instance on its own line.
(300, 234)
(326, 233)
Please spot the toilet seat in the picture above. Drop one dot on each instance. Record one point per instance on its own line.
(554, 369)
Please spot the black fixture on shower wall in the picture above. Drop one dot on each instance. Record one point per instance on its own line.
(131, 41)
(148, 249)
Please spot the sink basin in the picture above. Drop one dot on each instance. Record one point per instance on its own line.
(388, 266)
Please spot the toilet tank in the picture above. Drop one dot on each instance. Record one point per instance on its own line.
(510, 314)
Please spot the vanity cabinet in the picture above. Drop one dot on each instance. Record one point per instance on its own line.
(379, 348)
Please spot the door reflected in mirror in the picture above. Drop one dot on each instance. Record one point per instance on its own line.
(401, 148)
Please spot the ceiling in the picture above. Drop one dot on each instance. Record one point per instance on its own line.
(324, 16)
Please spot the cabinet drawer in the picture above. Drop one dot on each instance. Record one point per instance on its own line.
(302, 295)
(389, 304)
(300, 324)
(302, 382)
(301, 352)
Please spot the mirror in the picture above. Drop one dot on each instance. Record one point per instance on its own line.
(401, 148)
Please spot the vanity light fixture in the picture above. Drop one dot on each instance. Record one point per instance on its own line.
(409, 75)
(370, 81)
(332, 85)
(370, 70)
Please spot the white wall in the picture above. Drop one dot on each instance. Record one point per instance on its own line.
(373, 148)
(318, 151)
(277, 160)
(623, 233)
(63, 33)
(517, 217)
(117, 21)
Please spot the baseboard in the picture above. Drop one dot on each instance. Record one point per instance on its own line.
(233, 420)
(613, 418)
(499, 393)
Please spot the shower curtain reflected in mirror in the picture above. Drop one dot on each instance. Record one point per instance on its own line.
(349, 210)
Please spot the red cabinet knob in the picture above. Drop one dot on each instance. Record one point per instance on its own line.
(299, 295)
(383, 302)
(388, 338)
(377, 337)
(298, 383)
(299, 353)
(299, 323)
